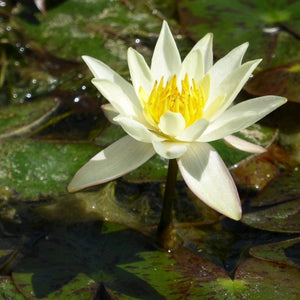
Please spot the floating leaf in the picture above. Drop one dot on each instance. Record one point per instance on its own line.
(285, 252)
(280, 218)
(34, 168)
(8, 290)
(72, 261)
(282, 81)
(283, 188)
(92, 28)
(257, 21)
(81, 260)
(186, 275)
(265, 280)
(25, 119)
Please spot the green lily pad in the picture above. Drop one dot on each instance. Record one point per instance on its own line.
(255, 21)
(283, 188)
(96, 28)
(188, 275)
(285, 252)
(265, 280)
(25, 119)
(8, 289)
(35, 168)
(280, 218)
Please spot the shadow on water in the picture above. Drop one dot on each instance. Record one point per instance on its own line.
(83, 254)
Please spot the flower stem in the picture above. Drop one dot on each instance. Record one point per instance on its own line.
(165, 225)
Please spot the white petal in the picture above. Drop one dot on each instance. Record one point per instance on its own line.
(224, 66)
(137, 130)
(139, 71)
(166, 60)
(110, 112)
(118, 159)
(243, 145)
(117, 97)
(170, 150)
(205, 46)
(208, 178)
(194, 131)
(171, 123)
(193, 66)
(102, 71)
(231, 86)
(241, 116)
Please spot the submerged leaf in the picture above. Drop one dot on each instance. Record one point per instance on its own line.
(89, 206)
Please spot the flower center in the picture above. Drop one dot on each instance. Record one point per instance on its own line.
(189, 101)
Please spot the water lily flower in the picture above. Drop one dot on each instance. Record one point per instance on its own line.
(175, 108)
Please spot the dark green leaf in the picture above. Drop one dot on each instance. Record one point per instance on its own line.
(285, 252)
(283, 188)
(8, 291)
(280, 218)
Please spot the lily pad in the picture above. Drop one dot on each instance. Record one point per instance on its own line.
(72, 261)
(8, 290)
(92, 28)
(280, 218)
(282, 81)
(258, 22)
(34, 168)
(81, 260)
(285, 252)
(265, 280)
(25, 119)
(283, 188)
(256, 173)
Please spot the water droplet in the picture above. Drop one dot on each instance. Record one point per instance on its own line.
(83, 87)
(137, 41)
(76, 100)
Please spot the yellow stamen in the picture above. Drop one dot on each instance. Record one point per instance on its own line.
(189, 101)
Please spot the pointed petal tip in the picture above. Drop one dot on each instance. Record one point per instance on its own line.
(87, 59)
(237, 216)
